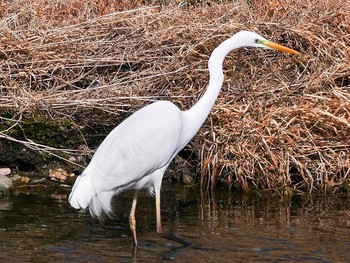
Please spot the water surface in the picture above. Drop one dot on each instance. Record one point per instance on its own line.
(221, 228)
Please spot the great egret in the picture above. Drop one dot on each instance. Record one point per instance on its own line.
(137, 152)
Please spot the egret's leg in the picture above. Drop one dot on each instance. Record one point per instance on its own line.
(132, 220)
(158, 214)
(160, 231)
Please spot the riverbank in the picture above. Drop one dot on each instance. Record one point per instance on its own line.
(71, 72)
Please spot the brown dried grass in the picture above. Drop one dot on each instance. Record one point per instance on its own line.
(281, 122)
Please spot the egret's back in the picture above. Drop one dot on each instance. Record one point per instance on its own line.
(142, 144)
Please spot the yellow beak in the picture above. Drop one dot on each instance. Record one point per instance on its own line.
(280, 47)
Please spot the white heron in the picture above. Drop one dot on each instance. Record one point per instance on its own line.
(137, 152)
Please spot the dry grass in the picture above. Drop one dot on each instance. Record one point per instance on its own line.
(280, 122)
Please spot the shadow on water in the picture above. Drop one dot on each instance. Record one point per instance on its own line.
(220, 228)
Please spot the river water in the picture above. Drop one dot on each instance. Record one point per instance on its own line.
(220, 228)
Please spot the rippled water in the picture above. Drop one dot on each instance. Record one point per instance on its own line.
(220, 227)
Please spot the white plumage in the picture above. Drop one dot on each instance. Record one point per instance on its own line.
(129, 156)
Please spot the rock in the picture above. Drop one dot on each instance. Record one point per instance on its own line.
(39, 181)
(5, 171)
(180, 170)
(58, 175)
(25, 179)
(5, 183)
(15, 177)
(187, 179)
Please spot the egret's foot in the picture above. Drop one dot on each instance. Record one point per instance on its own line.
(170, 236)
(134, 252)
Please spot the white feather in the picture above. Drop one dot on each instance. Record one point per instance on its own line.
(128, 157)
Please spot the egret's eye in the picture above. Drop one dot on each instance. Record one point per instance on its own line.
(256, 41)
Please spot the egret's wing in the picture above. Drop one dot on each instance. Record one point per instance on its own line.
(143, 143)
(140, 145)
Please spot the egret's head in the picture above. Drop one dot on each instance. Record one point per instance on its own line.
(250, 39)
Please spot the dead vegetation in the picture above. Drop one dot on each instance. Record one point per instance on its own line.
(280, 122)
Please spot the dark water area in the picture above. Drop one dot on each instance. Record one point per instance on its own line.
(220, 227)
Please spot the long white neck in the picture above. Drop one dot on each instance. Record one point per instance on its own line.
(195, 117)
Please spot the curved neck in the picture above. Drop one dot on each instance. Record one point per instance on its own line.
(195, 117)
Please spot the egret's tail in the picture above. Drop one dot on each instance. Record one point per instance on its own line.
(87, 195)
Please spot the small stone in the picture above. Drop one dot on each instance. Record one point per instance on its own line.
(58, 175)
(5, 171)
(25, 179)
(39, 181)
(5, 183)
(66, 185)
(187, 179)
(15, 177)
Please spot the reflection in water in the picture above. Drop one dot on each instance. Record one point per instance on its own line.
(221, 227)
